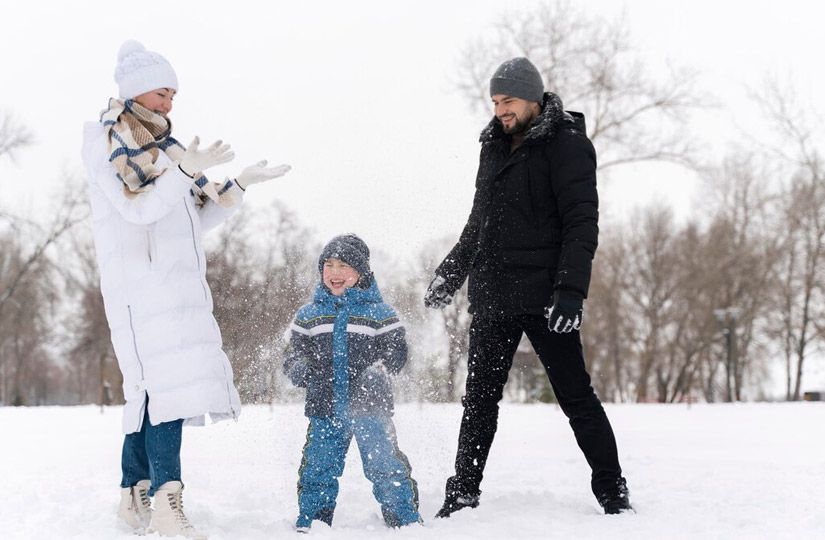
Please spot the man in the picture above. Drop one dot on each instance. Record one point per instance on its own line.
(527, 248)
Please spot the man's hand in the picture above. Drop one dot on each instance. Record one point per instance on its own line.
(565, 314)
(195, 161)
(438, 296)
(259, 172)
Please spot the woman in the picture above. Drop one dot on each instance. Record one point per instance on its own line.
(150, 206)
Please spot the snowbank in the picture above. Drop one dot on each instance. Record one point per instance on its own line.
(708, 471)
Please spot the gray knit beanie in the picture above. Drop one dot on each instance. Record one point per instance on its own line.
(518, 77)
(350, 249)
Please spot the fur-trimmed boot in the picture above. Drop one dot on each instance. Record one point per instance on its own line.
(168, 518)
(135, 508)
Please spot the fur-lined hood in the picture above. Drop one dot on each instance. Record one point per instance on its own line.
(544, 126)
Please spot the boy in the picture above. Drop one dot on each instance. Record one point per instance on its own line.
(341, 347)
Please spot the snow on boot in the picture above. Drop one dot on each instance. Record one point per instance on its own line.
(393, 521)
(135, 508)
(304, 522)
(168, 518)
(616, 499)
(456, 501)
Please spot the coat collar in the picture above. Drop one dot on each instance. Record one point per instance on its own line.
(544, 126)
(353, 295)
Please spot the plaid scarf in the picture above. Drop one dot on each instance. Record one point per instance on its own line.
(136, 136)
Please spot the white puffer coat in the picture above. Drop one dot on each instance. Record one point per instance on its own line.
(158, 304)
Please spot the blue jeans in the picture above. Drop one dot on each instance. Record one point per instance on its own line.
(153, 453)
(384, 465)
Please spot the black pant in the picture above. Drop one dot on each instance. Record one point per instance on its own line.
(493, 343)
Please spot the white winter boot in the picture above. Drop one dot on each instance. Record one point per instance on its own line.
(135, 508)
(168, 518)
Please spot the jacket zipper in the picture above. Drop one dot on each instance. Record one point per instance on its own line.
(134, 341)
(194, 244)
(150, 247)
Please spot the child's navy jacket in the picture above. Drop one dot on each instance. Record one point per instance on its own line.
(337, 345)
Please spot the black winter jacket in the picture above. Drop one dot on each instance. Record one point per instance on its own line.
(533, 228)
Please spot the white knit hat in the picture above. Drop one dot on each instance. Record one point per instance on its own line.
(139, 71)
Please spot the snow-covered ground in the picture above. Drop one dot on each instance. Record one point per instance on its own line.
(745, 471)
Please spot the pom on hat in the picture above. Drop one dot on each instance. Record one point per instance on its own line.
(129, 46)
(139, 70)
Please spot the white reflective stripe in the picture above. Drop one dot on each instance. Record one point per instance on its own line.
(321, 329)
(295, 328)
(389, 328)
(369, 331)
(361, 329)
(353, 328)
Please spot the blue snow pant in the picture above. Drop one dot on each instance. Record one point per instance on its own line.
(384, 464)
(153, 453)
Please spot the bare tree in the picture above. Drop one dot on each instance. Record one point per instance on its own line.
(453, 323)
(93, 373)
(607, 333)
(13, 135)
(741, 262)
(402, 286)
(652, 282)
(260, 269)
(693, 329)
(590, 63)
(25, 325)
(456, 321)
(70, 209)
(658, 288)
(801, 296)
(28, 299)
(528, 382)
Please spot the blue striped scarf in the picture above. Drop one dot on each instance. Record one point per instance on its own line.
(136, 138)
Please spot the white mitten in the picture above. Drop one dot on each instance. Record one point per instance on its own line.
(259, 172)
(195, 161)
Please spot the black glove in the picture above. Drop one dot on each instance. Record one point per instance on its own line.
(438, 295)
(565, 314)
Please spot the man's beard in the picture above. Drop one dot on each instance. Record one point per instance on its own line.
(519, 127)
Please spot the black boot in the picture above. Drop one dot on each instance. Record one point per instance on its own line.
(324, 514)
(456, 499)
(616, 498)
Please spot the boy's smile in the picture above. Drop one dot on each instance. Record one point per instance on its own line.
(339, 276)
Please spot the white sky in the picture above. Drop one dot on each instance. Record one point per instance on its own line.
(356, 96)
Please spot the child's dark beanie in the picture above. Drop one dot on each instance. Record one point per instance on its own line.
(348, 248)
